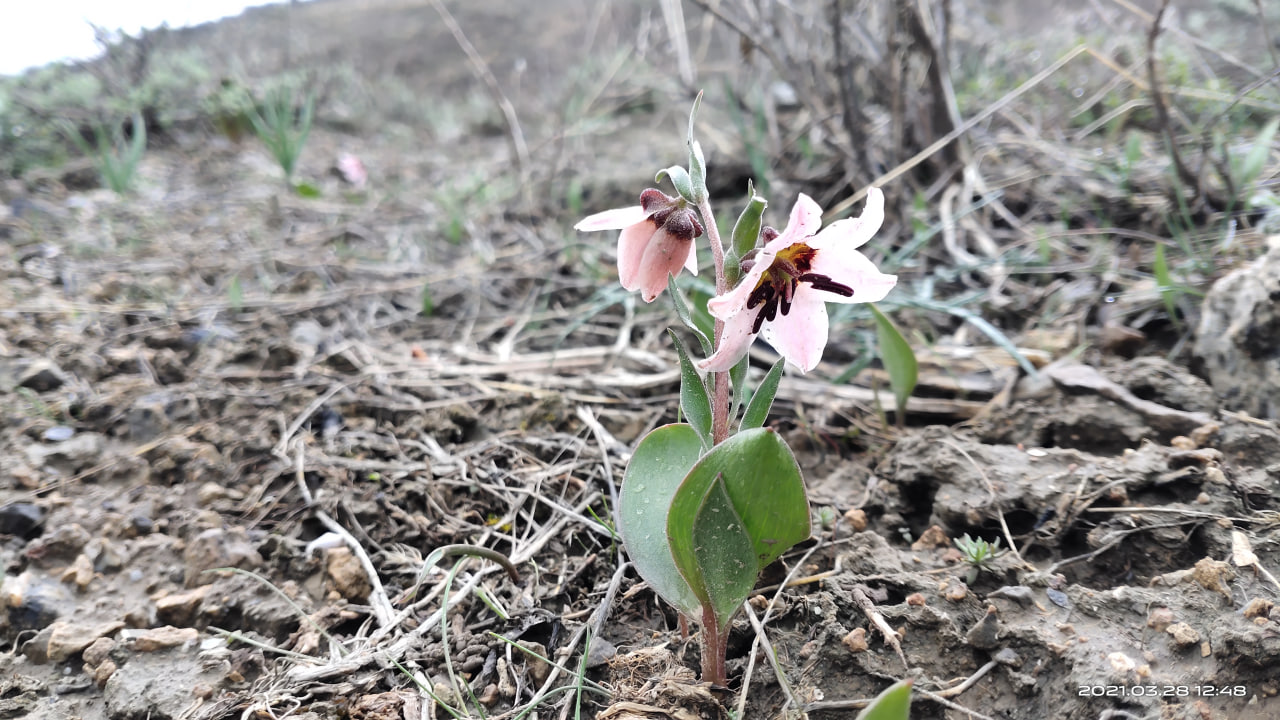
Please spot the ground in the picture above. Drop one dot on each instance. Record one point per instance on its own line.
(321, 388)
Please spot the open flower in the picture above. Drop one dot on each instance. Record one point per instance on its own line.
(656, 240)
(786, 286)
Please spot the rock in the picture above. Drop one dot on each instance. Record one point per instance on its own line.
(103, 671)
(1020, 594)
(348, 577)
(180, 608)
(21, 519)
(1183, 634)
(215, 548)
(79, 573)
(934, 537)
(34, 600)
(69, 456)
(36, 374)
(68, 638)
(155, 686)
(145, 641)
(983, 634)
(98, 651)
(1238, 339)
(856, 640)
(58, 547)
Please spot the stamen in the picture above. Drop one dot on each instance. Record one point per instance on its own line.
(822, 282)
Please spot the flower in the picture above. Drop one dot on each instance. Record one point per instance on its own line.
(786, 285)
(656, 240)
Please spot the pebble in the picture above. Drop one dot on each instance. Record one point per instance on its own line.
(68, 638)
(347, 575)
(154, 639)
(58, 547)
(34, 600)
(21, 519)
(216, 548)
(1183, 634)
(983, 634)
(1020, 594)
(180, 608)
(1057, 597)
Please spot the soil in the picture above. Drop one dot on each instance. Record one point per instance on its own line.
(215, 372)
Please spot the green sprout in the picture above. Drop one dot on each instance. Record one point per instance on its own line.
(978, 554)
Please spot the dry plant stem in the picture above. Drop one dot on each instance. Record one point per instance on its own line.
(382, 609)
(720, 380)
(1158, 104)
(518, 146)
(890, 635)
(762, 637)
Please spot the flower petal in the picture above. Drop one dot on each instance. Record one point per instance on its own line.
(733, 302)
(800, 336)
(612, 219)
(853, 233)
(852, 268)
(632, 242)
(664, 255)
(691, 262)
(735, 341)
(806, 218)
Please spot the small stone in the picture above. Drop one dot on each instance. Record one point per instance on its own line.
(489, 695)
(34, 600)
(1204, 435)
(180, 608)
(916, 600)
(934, 537)
(1183, 634)
(39, 375)
(1058, 597)
(856, 640)
(98, 651)
(601, 652)
(347, 575)
(539, 669)
(1121, 665)
(983, 634)
(1205, 649)
(67, 638)
(955, 590)
(80, 573)
(1160, 618)
(857, 519)
(1203, 499)
(1020, 594)
(1214, 475)
(1214, 575)
(21, 519)
(160, 638)
(1182, 442)
(1258, 607)
(215, 548)
(58, 547)
(103, 672)
(57, 433)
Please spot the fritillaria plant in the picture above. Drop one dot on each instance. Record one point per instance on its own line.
(707, 504)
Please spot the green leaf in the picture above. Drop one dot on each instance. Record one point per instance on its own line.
(746, 232)
(724, 552)
(1164, 280)
(680, 179)
(693, 393)
(758, 409)
(1258, 153)
(684, 313)
(764, 488)
(898, 357)
(307, 190)
(738, 380)
(657, 469)
(697, 165)
(892, 704)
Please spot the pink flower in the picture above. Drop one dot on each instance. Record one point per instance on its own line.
(786, 286)
(656, 241)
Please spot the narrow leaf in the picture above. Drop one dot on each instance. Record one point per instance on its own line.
(899, 359)
(892, 704)
(693, 393)
(1258, 153)
(746, 232)
(758, 409)
(999, 338)
(738, 380)
(657, 468)
(685, 314)
(1164, 281)
(680, 179)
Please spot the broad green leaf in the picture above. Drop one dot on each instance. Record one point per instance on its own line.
(683, 312)
(758, 409)
(693, 393)
(657, 468)
(898, 357)
(892, 704)
(746, 232)
(763, 484)
(724, 552)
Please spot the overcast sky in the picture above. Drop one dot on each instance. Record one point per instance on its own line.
(42, 31)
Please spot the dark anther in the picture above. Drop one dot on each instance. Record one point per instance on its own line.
(822, 282)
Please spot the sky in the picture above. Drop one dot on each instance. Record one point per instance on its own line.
(44, 31)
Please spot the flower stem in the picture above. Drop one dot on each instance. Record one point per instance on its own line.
(720, 380)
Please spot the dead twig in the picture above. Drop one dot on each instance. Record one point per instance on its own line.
(873, 615)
